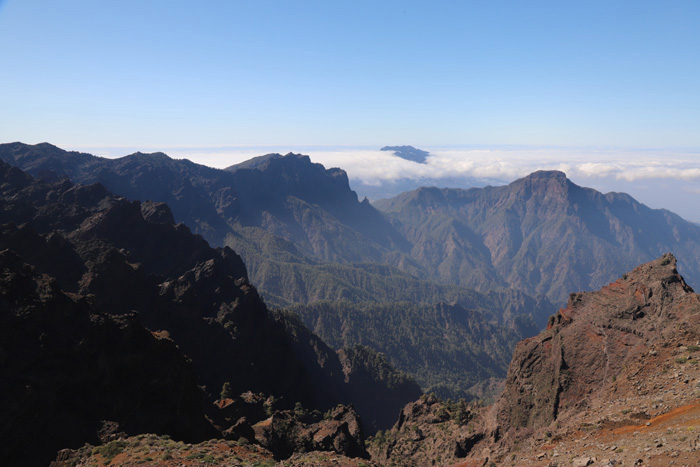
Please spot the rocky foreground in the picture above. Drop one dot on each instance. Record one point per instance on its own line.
(613, 380)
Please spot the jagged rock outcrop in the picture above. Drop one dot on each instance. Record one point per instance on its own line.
(614, 376)
(587, 344)
(68, 371)
(113, 257)
(287, 432)
(428, 432)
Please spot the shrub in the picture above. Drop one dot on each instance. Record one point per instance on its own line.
(226, 392)
(110, 450)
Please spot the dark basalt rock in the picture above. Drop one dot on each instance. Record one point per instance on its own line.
(124, 275)
(69, 370)
(285, 432)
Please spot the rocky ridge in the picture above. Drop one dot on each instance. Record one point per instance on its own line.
(542, 233)
(123, 263)
(613, 380)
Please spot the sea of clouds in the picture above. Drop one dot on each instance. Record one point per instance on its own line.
(660, 178)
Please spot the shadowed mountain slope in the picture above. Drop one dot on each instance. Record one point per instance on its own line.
(281, 213)
(104, 257)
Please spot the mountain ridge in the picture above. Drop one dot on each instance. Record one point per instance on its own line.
(607, 383)
(541, 233)
(125, 263)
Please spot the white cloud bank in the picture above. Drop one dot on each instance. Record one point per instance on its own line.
(661, 179)
(373, 167)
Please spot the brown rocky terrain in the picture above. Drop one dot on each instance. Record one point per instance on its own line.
(152, 450)
(613, 380)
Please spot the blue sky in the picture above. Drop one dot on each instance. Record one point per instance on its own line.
(608, 91)
(213, 73)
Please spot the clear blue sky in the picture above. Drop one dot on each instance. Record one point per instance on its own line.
(208, 73)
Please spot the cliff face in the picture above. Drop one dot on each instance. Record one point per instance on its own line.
(585, 347)
(72, 374)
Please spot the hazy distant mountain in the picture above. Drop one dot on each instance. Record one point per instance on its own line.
(394, 187)
(408, 152)
(542, 234)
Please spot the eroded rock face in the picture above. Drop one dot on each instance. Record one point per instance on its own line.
(286, 432)
(71, 374)
(429, 432)
(587, 344)
(616, 365)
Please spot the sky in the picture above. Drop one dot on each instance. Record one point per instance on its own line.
(541, 84)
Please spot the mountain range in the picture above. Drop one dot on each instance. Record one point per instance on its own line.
(542, 234)
(286, 216)
(303, 235)
(116, 320)
(502, 253)
(119, 321)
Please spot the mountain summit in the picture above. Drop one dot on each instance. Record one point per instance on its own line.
(541, 233)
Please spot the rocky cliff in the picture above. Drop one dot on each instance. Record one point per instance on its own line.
(613, 380)
(571, 365)
(71, 374)
(126, 268)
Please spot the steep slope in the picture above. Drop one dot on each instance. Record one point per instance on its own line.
(120, 257)
(287, 196)
(612, 380)
(69, 373)
(448, 348)
(570, 365)
(541, 233)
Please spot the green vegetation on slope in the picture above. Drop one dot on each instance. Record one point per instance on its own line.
(447, 348)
